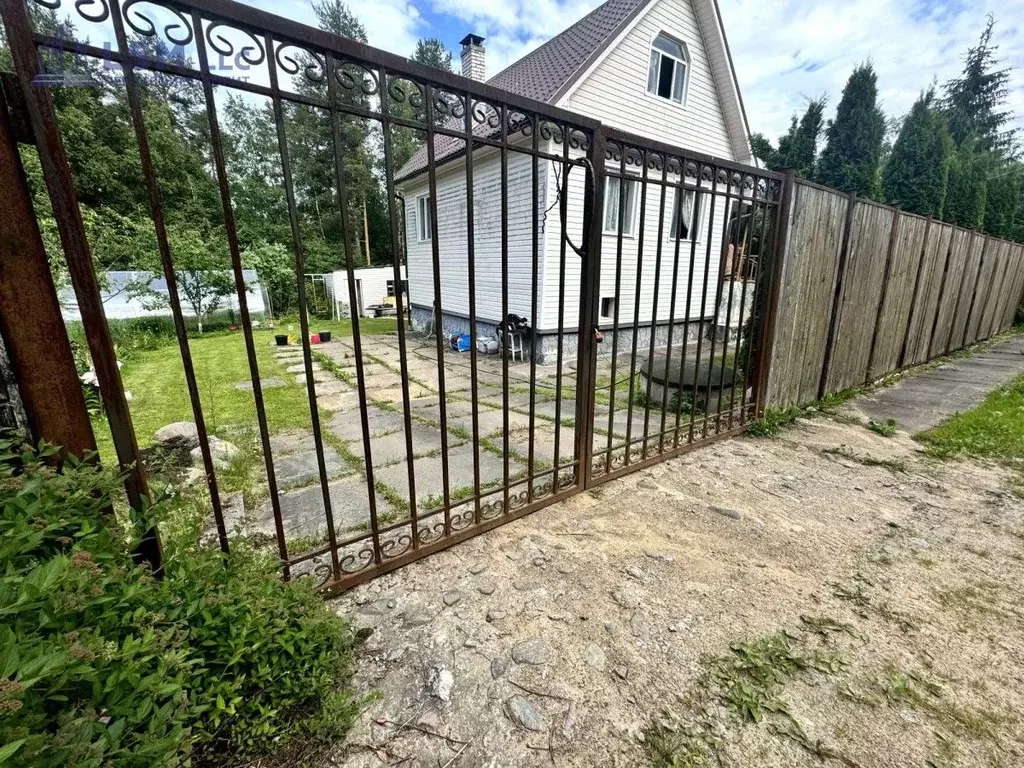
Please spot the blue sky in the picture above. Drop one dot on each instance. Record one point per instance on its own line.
(785, 51)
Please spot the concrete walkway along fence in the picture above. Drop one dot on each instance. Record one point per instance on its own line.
(866, 289)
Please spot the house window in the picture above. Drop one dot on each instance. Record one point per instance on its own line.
(391, 287)
(669, 66)
(423, 218)
(685, 220)
(619, 192)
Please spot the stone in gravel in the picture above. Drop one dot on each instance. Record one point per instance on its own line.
(726, 512)
(661, 557)
(539, 561)
(648, 485)
(524, 714)
(640, 626)
(636, 573)
(486, 588)
(621, 672)
(499, 666)
(430, 721)
(477, 568)
(917, 544)
(416, 618)
(626, 598)
(563, 569)
(496, 615)
(594, 657)
(440, 682)
(395, 654)
(534, 651)
(525, 586)
(451, 598)
(221, 452)
(375, 608)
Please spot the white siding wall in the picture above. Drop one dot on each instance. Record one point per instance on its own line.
(373, 281)
(626, 268)
(616, 91)
(452, 236)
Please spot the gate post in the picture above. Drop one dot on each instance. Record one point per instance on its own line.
(765, 340)
(590, 281)
(30, 318)
(60, 185)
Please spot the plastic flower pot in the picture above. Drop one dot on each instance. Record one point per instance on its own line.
(314, 339)
(281, 340)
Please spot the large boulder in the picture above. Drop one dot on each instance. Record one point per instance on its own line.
(180, 434)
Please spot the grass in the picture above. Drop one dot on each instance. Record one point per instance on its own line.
(885, 428)
(156, 379)
(994, 429)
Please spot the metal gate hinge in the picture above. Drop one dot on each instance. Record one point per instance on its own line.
(16, 109)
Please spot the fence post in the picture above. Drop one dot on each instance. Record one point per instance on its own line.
(837, 297)
(30, 318)
(766, 330)
(893, 236)
(61, 188)
(590, 277)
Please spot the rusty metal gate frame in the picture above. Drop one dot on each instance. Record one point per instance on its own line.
(450, 111)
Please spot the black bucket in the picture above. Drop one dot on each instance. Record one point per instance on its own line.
(325, 336)
(282, 340)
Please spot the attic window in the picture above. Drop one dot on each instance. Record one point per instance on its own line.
(669, 64)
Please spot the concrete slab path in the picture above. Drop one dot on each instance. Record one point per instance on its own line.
(921, 402)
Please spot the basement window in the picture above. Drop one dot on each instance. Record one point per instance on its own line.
(670, 64)
(607, 306)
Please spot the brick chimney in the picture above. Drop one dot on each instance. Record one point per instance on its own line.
(473, 57)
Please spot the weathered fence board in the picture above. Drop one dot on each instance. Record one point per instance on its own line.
(936, 250)
(968, 292)
(1011, 297)
(805, 305)
(863, 279)
(984, 288)
(1000, 258)
(892, 321)
(949, 298)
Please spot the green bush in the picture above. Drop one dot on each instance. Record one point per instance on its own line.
(102, 665)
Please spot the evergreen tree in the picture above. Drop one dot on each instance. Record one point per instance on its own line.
(917, 171)
(967, 188)
(1003, 201)
(433, 53)
(974, 102)
(761, 148)
(802, 147)
(854, 138)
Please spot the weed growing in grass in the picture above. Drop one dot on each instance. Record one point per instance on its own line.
(885, 428)
(774, 421)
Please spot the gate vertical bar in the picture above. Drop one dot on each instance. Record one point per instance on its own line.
(590, 277)
(60, 186)
(133, 91)
(300, 285)
(354, 308)
(228, 212)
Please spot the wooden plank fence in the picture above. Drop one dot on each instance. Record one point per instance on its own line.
(868, 289)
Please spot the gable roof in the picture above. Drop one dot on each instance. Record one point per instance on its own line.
(547, 73)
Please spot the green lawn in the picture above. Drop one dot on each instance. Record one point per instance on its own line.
(156, 380)
(995, 429)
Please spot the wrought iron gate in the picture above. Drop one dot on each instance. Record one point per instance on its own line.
(625, 284)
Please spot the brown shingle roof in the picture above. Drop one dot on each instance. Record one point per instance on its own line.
(546, 73)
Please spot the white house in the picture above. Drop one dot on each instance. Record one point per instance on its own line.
(375, 286)
(660, 69)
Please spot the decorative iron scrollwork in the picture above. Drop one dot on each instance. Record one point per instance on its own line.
(142, 24)
(253, 55)
(486, 114)
(447, 104)
(394, 546)
(517, 122)
(579, 139)
(312, 65)
(354, 562)
(551, 131)
(353, 76)
(401, 90)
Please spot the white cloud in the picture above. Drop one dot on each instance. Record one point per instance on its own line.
(787, 51)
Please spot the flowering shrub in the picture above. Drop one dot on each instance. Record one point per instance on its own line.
(103, 665)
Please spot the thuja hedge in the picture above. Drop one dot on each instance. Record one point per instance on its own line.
(103, 665)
